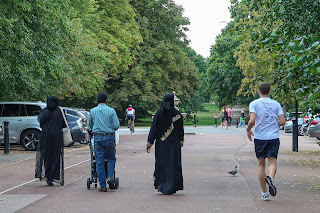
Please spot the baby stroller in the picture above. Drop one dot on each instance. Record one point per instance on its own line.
(93, 174)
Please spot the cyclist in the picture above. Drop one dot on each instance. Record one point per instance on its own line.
(130, 113)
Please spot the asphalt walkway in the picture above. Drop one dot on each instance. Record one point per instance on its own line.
(206, 157)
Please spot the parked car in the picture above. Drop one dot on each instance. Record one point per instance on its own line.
(83, 123)
(74, 112)
(288, 127)
(78, 132)
(314, 128)
(24, 127)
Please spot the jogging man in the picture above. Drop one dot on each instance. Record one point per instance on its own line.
(130, 114)
(103, 122)
(267, 115)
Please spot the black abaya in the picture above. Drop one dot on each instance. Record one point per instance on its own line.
(49, 162)
(167, 131)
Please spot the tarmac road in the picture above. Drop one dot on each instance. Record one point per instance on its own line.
(206, 157)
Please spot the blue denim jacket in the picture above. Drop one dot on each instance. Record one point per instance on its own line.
(103, 119)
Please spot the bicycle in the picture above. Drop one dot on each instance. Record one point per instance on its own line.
(130, 127)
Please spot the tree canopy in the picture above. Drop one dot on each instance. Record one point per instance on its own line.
(133, 50)
(275, 41)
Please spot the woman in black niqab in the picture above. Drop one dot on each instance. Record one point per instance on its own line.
(167, 132)
(49, 160)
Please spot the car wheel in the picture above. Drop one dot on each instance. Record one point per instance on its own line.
(84, 141)
(30, 140)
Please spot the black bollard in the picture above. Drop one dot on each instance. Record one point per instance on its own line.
(6, 138)
(194, 120)
(295, 130)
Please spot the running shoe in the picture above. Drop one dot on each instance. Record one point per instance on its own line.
(265, 196)
(272, 187)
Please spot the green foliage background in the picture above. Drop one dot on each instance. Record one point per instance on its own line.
(275, 41)
(136, 51)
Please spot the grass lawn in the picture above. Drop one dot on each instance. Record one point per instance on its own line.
(206, 118)
(203, 118)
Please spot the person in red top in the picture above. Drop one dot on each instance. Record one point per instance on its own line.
(215, 119)
(130, 114)
(230, 115)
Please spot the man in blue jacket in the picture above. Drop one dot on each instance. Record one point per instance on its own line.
(103, 122)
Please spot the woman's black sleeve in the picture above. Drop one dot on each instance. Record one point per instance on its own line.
(153, 130)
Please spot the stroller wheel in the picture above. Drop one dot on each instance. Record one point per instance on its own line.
(88, 183)
(116, 182)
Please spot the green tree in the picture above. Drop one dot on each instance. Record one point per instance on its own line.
(160, 65)
(193, 104)
(224, 77)
(292, 38)
(31, 61)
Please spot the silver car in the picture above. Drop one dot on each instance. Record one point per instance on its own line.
(24, 127)
(288, 127)
(314, 128)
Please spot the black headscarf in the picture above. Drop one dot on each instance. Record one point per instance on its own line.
(52, 103)
(166, 113)
(168, 102)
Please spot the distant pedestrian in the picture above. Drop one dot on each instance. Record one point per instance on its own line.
(241, 123)
(168, 134)
(224, 117)
(215, 119)
(230, 115)
(243, 110)
(103, 122)
(267, 115)
(49, 160)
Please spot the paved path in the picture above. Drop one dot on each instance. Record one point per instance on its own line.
(207, 156)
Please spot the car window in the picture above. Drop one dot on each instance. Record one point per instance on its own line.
(23, 111)
(84, 114)
(33, 110)
(10, 110)
(71, 112)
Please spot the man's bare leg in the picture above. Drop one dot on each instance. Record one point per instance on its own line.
(272, 169)
(262, 174)
(272, 166)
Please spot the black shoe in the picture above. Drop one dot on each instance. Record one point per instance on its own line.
(111, 184)
(103, 189)
(272, 187)
(49, 182)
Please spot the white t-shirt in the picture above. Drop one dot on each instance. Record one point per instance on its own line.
(267, 112)
(130, 112)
